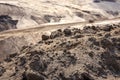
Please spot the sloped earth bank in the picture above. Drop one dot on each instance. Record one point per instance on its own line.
(70, 54)
(32, 13)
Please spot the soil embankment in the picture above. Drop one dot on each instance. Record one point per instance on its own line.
(70, 54)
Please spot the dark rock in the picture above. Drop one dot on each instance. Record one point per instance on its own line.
(48, 18)
(13, 55)
(3, 17)
(91, 54)
(107, 35)
(115, 39)
(86, 76)
(2, 70)
(22, 61)
(91, 21)
(100, 34)
(45, 37)
(79, 14)
(76, 76)
(62, 76)
(67, 59)
(111, 61)
(76, 31)
(117, 32)
(107, 28)
(78, 35)
(97, 70)
(59, 30)
(55, 34)
(7, 23)
(32, 76)
(37, 64)
(92, 39)
(67, 32)
(89, 30)
(8, 59)
(106, 43)
(48, 42)
(33, 53)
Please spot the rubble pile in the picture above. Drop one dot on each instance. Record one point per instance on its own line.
(70, 54)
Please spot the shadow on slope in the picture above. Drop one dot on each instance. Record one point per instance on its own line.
(7, 23)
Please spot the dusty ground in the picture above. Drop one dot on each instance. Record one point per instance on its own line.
(59, 40)
(31, 13)
(70, 54)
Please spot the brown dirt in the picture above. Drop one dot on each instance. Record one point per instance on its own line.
(70, 54)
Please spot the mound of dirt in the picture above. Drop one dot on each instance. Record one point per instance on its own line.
(70, 54)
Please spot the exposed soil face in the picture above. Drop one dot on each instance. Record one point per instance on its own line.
(7, 23)
(70, 54)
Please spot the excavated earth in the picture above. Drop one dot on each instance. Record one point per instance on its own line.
(70, 54)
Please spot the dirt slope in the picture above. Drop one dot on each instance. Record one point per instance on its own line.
(31, 13)
(60, 40)
(69, 54)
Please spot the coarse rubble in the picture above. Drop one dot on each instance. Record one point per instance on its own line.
(70, 54)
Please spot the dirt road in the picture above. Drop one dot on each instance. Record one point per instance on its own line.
(54, 26)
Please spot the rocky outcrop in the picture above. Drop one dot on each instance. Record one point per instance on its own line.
(7, 23)
(69, 54)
